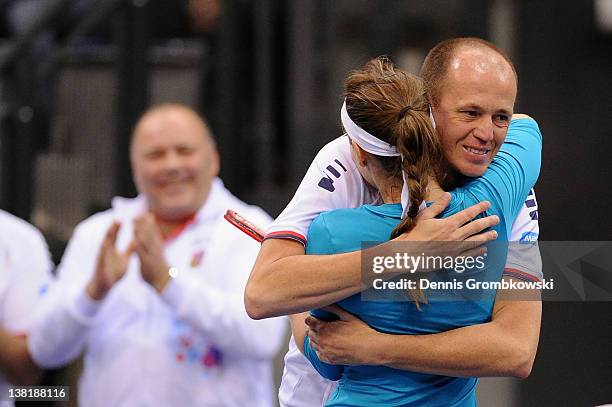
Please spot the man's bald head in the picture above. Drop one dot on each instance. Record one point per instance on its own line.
(471, 86)
(165, 113)
(470, 54)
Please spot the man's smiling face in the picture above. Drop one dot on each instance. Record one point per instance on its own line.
(174, 161)
(474, 109)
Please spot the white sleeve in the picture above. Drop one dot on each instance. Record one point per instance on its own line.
(331, 182)
(60, 327)
(217, 310)
(524, 261)
(29, 274)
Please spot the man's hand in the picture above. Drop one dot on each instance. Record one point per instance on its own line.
(150, 250)
(457, 235)
(458, 227)
(111, 265)
(348, 341)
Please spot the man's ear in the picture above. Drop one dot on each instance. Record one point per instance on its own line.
(215, 162)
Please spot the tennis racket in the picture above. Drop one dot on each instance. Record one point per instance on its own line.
(244, 225)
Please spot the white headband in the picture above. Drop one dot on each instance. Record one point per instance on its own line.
(368, 142)
(374, 145)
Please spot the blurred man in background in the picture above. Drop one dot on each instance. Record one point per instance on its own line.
(151, 289)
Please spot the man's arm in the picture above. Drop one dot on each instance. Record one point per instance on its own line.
(217, 312)
(506, 346)
(284, 281)
(220, 315)
(68, 311)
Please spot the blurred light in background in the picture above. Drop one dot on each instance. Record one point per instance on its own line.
(603, 15)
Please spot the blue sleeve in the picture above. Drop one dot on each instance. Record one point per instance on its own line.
(330, 372)
(512, 174)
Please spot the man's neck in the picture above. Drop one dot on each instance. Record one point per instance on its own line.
(452, 179)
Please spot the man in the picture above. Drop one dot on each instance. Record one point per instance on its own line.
(152, 288)
(472, 88)
(25, 272)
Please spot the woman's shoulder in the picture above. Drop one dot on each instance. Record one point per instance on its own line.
(343, 230)
(338, 219)
(356, 216)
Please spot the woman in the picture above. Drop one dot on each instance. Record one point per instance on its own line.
(386, 117)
